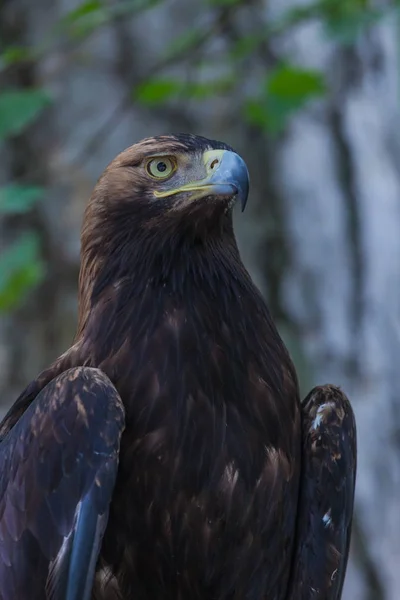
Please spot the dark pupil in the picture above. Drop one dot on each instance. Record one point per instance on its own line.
(161, 167)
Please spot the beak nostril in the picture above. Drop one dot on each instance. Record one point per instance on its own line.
(214, 163)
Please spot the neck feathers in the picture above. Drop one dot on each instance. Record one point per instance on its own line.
(173, 261)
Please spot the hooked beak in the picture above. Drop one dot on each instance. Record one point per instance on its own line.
(227, 177)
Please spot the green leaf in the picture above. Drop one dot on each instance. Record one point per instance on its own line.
(18, 199)
(157, 91)
(93, 14)
(84, 19)
(21, 269)
(84, 9)
(14, 55)
(200, 90)
(285, 90)
(294, 84)
(255, 113)
(246, 45)
(347, 27)
(346, 19)
(19, 108)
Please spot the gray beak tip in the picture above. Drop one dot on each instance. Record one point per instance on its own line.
(234, 169)
(243, 201)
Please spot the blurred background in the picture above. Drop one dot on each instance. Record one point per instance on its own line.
(308, 94)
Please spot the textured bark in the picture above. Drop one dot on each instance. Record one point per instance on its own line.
(338, 172)
(321, 235)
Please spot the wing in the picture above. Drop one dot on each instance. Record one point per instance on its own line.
(326, 496)
(58, 466)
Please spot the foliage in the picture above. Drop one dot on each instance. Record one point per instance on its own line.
(285, 90)
(282, 89)
(345, 20)
(18, 199)
(93, 14)
(18, 108)
(158, 91)
(13, 55)
(21, 269)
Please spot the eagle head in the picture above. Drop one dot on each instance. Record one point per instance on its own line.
(153, 203)
(173, 176)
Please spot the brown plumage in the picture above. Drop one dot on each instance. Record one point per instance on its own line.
(217, 497)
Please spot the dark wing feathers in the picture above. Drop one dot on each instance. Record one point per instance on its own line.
(57, 472)
(326, 496)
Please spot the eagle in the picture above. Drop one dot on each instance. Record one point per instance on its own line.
(166, 454)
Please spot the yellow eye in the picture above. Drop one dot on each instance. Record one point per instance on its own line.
(161, 167)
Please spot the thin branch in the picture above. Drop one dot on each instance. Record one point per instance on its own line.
(126, 102)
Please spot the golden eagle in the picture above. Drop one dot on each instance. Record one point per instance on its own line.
(166, 455)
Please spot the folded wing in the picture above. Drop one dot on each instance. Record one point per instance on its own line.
(326, 496)
(58, 466)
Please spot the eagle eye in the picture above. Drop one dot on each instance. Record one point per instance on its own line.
(161, 168)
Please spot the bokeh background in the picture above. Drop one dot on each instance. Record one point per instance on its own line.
(308, 93)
